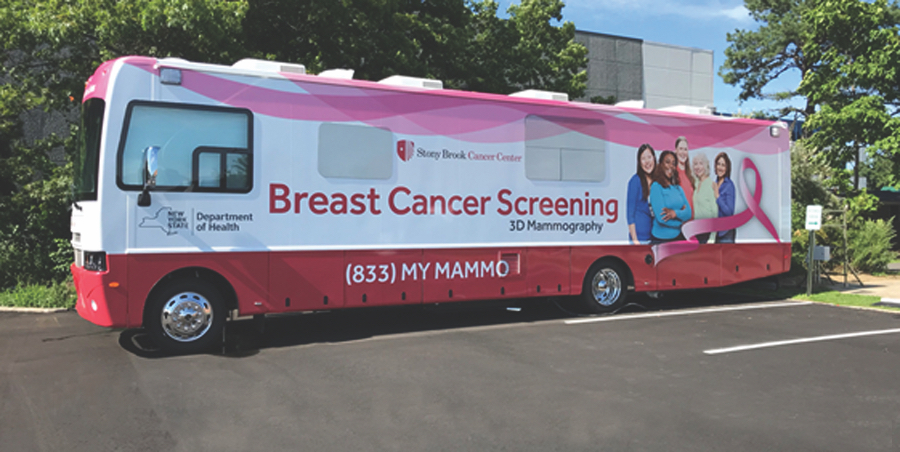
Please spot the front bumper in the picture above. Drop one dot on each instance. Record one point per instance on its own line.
(102, 299)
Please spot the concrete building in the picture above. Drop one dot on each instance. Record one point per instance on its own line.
(660, 75)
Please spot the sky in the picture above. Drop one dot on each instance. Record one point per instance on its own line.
(702, 24)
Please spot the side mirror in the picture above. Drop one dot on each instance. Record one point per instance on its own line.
(150, 170)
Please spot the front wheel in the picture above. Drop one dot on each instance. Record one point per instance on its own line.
(604, 288)
(186, 317)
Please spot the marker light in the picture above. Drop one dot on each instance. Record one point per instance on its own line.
(170, 76)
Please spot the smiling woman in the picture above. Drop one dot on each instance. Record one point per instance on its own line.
(724, 191)
(670, 206)
(638, 215)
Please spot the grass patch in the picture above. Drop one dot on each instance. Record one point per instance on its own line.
(843, 299)
(833, 297)
(58, 295)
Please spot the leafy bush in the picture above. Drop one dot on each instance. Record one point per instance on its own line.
(814, 183)
(57, 295)
(870, 245)
(34, 211)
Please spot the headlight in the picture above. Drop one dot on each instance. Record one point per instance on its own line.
(95, 261)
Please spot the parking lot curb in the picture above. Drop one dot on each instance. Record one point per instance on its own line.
(32, 310)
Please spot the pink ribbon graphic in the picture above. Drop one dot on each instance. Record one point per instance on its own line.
(695, 227)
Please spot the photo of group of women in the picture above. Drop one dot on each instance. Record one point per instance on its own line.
(673, 188)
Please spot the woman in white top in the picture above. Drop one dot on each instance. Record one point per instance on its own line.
(704, 194)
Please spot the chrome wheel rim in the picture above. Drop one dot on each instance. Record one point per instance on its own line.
(606, 287)
(186, 317)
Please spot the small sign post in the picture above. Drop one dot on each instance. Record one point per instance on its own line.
(813, 224)
(813, 218)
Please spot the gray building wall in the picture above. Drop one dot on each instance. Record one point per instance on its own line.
(675, 75)
(615, 66)
(661, 75)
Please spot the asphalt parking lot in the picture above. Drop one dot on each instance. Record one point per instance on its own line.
(694, 371)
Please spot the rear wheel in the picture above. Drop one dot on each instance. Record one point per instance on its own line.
(187, 316)
(605, 287)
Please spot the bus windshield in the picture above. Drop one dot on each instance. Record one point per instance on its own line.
(88, 154)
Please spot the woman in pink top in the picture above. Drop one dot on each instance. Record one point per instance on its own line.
(685, 176)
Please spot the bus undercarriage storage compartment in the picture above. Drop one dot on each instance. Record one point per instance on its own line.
(256, 188)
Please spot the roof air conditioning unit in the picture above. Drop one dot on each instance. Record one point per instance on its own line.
(412, 82)
(538, 94)
(269, 66)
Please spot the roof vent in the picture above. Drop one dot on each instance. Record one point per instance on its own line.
(690, 109)
(412, 82)
(630, 104)
(346, 74)
(538, 94)
(269, 66)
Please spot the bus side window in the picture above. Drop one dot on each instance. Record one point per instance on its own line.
(353, 151)
(237, 171)
(209, 170)
(201, 148)
(222, 169)
(565, 149)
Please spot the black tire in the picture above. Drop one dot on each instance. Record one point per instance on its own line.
(186, 316)
(605, 287)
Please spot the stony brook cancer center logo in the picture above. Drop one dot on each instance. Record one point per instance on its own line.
(405, 149)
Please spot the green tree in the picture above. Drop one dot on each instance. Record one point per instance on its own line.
(848, 53)
(755, 58)
(543, 56)
(376, 38)
(49, 48)
(33, 199)
(462, 42)
(855, 84)
(881, 170)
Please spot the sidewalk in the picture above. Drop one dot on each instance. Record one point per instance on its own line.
(886, 287)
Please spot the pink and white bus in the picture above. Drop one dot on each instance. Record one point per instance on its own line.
(205, 192)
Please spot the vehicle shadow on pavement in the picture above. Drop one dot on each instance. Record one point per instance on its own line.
(245, 338)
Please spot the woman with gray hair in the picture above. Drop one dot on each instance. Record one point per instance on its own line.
(704, 195)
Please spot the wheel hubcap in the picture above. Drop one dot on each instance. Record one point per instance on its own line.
(606, 287)
(186, 317)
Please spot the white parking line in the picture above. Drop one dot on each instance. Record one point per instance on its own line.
(686, 312)
(740, 348)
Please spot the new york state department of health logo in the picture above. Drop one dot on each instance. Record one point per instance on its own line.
(405, 149)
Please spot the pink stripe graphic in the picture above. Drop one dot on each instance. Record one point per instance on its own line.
(695, 227)
(473, 117)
